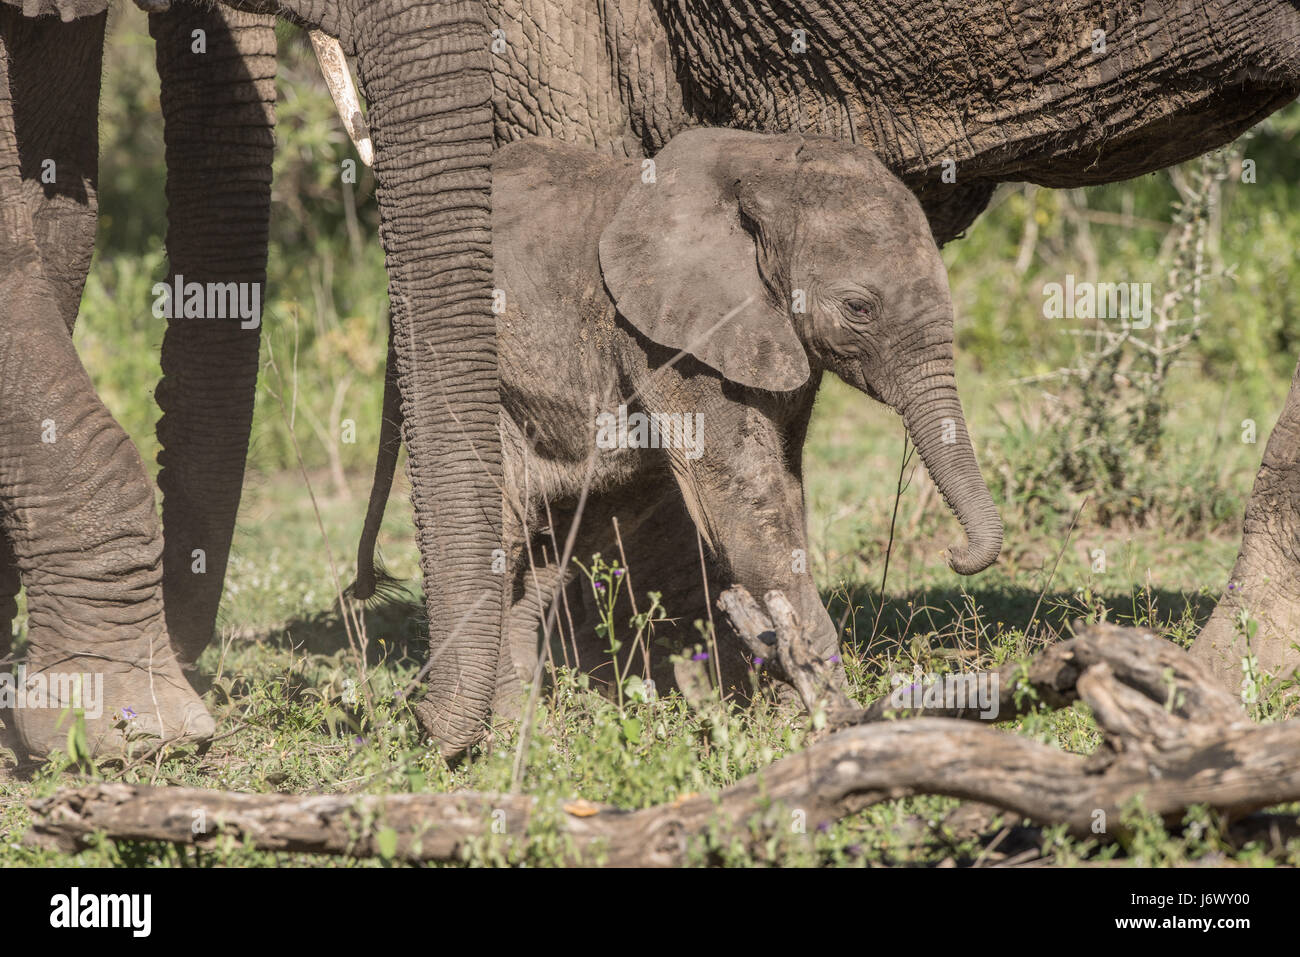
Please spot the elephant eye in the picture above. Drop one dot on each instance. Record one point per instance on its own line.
(859, 308)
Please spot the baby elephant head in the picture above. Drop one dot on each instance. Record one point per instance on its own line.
(766, 256)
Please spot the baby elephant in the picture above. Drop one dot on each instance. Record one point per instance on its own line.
(664, 333)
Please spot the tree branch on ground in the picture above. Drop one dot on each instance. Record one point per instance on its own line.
(1171, 738)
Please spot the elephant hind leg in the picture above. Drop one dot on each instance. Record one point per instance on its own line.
(536, 587)
(9, 586)
(663, 554)
(218, 121)
(76, 503)
(1265, 581)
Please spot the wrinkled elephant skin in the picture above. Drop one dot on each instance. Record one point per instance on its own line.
(982, 89)
(765, 260)
(79, 528)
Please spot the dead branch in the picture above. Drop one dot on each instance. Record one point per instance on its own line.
(780, 642)
(1160, 670)
(1171, 739)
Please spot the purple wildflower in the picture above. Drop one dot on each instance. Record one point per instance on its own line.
(758, 662)
(701, 656)
(833, 659)
(618, 573)
(600, 586)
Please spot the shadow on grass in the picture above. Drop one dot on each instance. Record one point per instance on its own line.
(939, 618)
(394, 623)
(964, 619)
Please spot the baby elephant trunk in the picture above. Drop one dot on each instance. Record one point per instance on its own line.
(935, 421)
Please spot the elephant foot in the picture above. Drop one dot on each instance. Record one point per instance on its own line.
(1226, 647)
(1265, 582)
(124, 702)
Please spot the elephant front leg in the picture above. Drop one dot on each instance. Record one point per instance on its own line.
(53, 92)
(51, 104)
(219, 116)
(1265, 582)
(79, 509)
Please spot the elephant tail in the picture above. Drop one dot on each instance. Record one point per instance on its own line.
(371, 574)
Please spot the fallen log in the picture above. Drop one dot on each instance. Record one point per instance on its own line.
(1171, 739)
(1236, 770)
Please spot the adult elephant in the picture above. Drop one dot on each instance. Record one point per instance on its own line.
(954, 95)
(79, 525)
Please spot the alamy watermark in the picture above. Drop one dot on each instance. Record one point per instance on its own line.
(74, 909)
(53, 689)
(653, 430)
(1130, 301)
(976, 690)
(209, 300)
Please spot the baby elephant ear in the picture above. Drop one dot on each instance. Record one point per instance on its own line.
(678, 261)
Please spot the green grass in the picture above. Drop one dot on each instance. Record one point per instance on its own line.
(279, 678)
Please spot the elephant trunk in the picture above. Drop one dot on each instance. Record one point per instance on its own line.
(425, 73)
(934, 419)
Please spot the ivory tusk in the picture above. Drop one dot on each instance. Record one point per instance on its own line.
(335, 68)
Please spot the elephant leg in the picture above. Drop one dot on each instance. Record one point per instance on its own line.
(537, 583)
(658, 538)
(219, 116)
(75, 502)
(79, 509)
(536, 586)
(10, 584)
(1265, 581)
(54, 73)
(55, 122)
